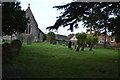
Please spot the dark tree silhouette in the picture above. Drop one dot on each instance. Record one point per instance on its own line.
(93, 14)
(13, 18)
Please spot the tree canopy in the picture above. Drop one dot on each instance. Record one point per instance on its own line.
(50, 36)
(13, 18)
(81, 38)
(117, 38)
(99, 15)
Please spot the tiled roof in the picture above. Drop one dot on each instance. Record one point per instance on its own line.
(58, 36)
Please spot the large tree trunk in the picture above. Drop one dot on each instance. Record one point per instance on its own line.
(78, 47)
(91, 47)
(91, 30)
(105, 38)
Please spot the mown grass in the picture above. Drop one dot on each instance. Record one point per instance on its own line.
(43, 60)
(8, 41)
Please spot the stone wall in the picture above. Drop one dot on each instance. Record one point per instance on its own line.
(8, 37)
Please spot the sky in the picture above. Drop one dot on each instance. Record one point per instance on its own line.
(45, 14)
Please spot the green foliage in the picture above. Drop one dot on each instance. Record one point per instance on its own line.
(62, 40)
(44, 37)
(95, 39)
(92, 38)
(117, 38)
(81, 38)
(50, 36)
(13, 18)
(96, 15)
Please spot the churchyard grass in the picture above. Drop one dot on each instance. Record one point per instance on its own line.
(9, 41)
(44, 60)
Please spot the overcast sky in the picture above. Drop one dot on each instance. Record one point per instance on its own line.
(45, 14)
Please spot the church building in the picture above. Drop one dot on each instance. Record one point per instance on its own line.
(32, 29)
(32, 32)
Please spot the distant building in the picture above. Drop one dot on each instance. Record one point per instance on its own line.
(109, 40)
(58, 36)
(74, 39)
(61, 39)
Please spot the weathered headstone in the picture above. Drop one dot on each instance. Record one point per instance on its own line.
(29, 41)
(15, 47)
(69, 44)
(6, 52)
(20, 37)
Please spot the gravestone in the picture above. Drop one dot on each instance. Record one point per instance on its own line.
(15, 47)
(69, 44)
(6, 53)
(29, 41)
(20, 37)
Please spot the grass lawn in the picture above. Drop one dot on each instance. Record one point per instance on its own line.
(43, 60)
(9, 41)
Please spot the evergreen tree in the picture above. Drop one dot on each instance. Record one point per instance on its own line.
(13, 18)
(96, 15)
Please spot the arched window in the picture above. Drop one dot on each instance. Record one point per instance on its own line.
(28, 29)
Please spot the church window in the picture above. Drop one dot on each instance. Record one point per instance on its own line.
(38, 35)
(28, 29)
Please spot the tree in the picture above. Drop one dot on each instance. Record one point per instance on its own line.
(93, 42)
(50, 37)
(117, 38)
(89, 39)
(13, 18)
(81, 40)
(96, 15)
(44, 37)
(92, 39)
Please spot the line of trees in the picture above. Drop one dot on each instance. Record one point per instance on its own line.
(86, 39)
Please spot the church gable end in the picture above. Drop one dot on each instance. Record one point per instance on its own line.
(32, 26)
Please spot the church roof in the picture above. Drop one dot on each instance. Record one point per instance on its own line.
(40, 30)
(58, 36)
(28, 9)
